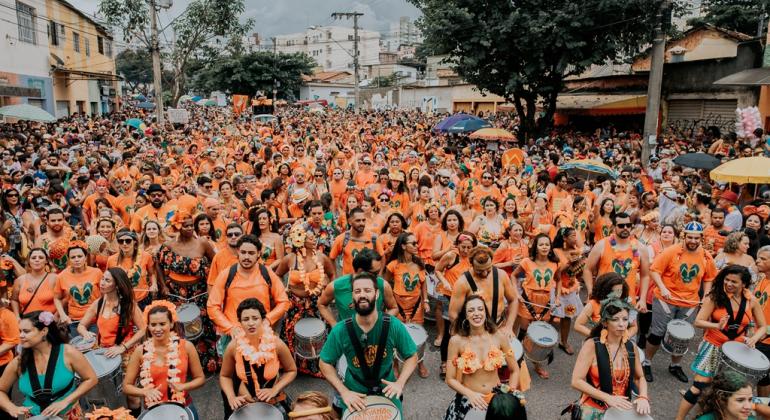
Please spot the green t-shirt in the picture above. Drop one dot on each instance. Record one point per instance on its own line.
(343, 296)
(711, 416)
(338, 344)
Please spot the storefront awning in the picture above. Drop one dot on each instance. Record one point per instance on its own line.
(750, 77)
(87, 75)
(597, 105)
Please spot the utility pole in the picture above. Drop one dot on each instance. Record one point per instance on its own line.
(355, 16)
(156, 73)
(275, 64)
(655, 82)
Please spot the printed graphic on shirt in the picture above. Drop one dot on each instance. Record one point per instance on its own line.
(622, 266)
(370, 352)
(689, 273)
(543, 277)
(82, 297)
(410, 283)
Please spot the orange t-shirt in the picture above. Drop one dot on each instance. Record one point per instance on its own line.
(508, 253)
(538, 278)
(602, 229)
(556, 199)
(222, 261)
(481, 192)
(761, 292)
(452, 274)
(41, 301)
(711, 236)
(425, 233)
(80, 290)
(353, 247)
(137, 272)
(9, 333)
(682, 272)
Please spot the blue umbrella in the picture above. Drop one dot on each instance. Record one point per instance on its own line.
(196, 98)
(468, 126)
(146, 105)
(139, 97)
(136, 123)
(451, 120)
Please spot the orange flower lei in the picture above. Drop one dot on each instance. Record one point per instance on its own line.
(468, 362)
(172, 362)
(495, 359)
(266, 351)
(297, 238)
(106, 413)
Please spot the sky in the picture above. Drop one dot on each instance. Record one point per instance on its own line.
(278, 17)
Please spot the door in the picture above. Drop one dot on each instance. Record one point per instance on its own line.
(691, 114)
(62, 109)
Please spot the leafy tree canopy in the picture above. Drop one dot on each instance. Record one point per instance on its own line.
(737, 15)
(136, 66)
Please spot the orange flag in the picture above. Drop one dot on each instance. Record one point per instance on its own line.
(239, 103)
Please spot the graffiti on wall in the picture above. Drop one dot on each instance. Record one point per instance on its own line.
(709, 120)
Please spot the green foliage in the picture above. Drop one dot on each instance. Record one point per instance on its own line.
(251, 72)
(383, 81)
(136, 66)
(737, 15)
(523, 49)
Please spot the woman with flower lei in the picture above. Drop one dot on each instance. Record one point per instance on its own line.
(572, 262)
(159, 367)
(253, 361)
(138, 265)
(476, 352)
(307, 268)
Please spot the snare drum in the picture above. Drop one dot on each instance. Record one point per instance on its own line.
(518, 350)
(107, 391)
(419, 336)
(167, 411)
(42, 417)
(83, 344)
(476, 414)
(618, 414)
(678, 335)
(377, 407)
(190, 317)
(743, 359)
(541, 338)
(257, 410)
(309, 338)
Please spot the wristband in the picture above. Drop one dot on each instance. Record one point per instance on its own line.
(642, 397)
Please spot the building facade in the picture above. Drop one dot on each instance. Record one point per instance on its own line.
(24, 69)
(332, 46)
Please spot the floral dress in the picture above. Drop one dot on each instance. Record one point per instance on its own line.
(186, 283)
(302, 307)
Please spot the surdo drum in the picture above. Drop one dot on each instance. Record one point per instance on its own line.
(476, 414)
(679, 333)
(377, 408)
(167, 411)
(743, 359)
(618, 414)
(309, 338)
(540, 340)
(83, 344)
(419, 336)
(107, 391)
(518, 350)
(189, 316)
(257, 410)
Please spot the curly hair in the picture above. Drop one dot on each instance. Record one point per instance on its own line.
(733, 242)
(717, 293)
(725, 384)
(604, 285)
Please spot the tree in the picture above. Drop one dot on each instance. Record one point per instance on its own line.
(249, 73)
(737, 15)
(196, 28)
(136, 67)
(523, 49)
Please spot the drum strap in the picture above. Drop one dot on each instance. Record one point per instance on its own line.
(265, 276)
(732, 330)
(605, 369)
(32, 298)
(414, 308)
(43, 397)
(371, 378)
(495, 290)
(531, 309)
(260, 370)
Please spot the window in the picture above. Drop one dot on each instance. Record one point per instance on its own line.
(100, 44)
(76, 42)
(26, 20)
(350, 37)
(87, 45)
(108, 48)
(53, 32)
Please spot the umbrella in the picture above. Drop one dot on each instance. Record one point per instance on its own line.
(27, 112)
(201, 102)
(210, 102)
(468, 126)
(585, 168)
(139, 97)
(697, 161)
(265, 117)
(146, 105)
(136, 123)
(196, 98)
(755, 170)
(451, 120)
(184, 98)
(493, 134)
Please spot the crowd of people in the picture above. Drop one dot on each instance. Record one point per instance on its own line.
(320, 243)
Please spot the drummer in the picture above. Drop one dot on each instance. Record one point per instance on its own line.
(42, 340)
(608, 285)
(9, 339)
(729, 313)
(271, 366)
(120, 324)
(368, 333)
(312, 405)
(730, 397)
(678, 272)
(761, 293)
(150, 371)
(476, 351)
(77, 287)
(608, 351)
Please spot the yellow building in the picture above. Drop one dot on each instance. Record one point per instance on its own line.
(82, 62)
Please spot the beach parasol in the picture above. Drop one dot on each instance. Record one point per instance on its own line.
(146, 105)
(697, 161)
(136, 123)
(26, 112)
(754, 170)
(493, 134)
(450, 121)
(468, 126)
(585, 168)
(184, 98)
(139, 97)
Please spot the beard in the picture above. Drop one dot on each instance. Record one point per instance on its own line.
(692, 247)
(624, 234)
(157, 204)
(363, 306)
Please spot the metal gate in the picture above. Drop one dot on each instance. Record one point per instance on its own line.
(685, 114)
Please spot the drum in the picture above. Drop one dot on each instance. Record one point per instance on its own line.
(257, 410)
(419, 336)
(83, 344)
(107, 391)
(167, 411)
(541, 338)
(309, 338)
(678, 335)
(476, 414)
(41, 417)
(377, 407)
(618, 414)
(518, 350)
(743, 359)
(190, 317)
(342, 367)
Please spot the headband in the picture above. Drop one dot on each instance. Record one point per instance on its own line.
(128, 233)
(157, 303)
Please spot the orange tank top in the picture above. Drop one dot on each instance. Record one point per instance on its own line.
(735, 329)
(108, 327)
(624, 262)
(159, 374)
(453, 273)
(40, 300)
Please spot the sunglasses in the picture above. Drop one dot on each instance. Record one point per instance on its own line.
(410, 243)
(385, 200)
(233, 234)
(125, 241)
(624, 225)
(12, 195)
(486, 177)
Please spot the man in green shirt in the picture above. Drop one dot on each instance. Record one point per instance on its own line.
(340, 292)
(365, 334)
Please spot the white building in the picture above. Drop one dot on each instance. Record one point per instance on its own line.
(402, 37)
(332, 46)
(24, 69)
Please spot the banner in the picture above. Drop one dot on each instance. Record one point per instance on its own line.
(178, 116)
(240, 102)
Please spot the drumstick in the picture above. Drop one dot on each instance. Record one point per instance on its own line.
(535, 304)
(187, 299)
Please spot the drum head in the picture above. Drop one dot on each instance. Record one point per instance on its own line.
(309, 327)
(44, 418)
(82, 344)
(166, 411)
(377, 407)
(751, 358)
(187, 312)
(617, 414)
(418, 333)
(681, 329)
(102, 364)
(518, 349)
(257, 411)
(476, 414)
(543, 333)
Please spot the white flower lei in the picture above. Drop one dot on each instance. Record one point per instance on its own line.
(172, 363)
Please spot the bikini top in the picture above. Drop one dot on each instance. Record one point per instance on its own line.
(468, 361)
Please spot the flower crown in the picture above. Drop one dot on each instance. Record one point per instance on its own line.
(297, 236)
(104, 413)
(78, 244)
(158, 303)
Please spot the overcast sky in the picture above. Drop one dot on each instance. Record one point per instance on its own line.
(277, 17)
